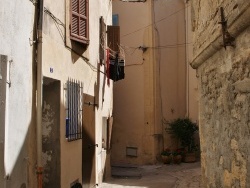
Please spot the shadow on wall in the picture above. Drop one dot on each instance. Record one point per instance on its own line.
(23, 167)
(77, 50)
(88, 142)
(23, 174)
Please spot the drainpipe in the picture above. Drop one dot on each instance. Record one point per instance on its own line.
(39, 95)
(187, 56)
(154, 86)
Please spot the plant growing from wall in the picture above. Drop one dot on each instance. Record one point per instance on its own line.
(183, 129)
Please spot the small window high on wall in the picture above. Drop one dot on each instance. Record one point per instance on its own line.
(115, 20)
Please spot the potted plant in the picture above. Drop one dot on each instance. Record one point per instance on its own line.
(183, 129)
(166, 156)
(177, 156)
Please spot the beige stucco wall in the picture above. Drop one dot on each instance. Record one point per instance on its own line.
(192, 80)
(130, 127)
(155, 84)
(67, 64)
(223, 91)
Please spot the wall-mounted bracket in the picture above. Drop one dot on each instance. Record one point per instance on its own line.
(90, 104)
(228, 40)
(143, 48)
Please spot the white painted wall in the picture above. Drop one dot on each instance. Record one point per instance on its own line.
(16, 28)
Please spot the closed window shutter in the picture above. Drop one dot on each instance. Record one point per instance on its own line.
(102, 40)
(114, 38)
(79, 21)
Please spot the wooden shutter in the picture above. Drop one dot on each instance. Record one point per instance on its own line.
(114, 37)
(109, 136)
(79, 21)
(102, 40)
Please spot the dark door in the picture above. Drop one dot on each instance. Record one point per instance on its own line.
(88, 142)
(51, 133)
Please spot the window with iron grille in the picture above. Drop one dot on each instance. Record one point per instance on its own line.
(79, 27)
(73, 110)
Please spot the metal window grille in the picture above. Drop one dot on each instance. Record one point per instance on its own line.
(74, 110)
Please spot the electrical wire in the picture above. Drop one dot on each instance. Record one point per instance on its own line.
(171, 45)
(154, 22)
(136, 64)
(59, 22)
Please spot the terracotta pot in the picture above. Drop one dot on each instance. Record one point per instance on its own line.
(177, 159)
(190, 157)
(166, 159)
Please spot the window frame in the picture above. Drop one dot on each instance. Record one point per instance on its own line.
(73, 103)
(77, 37)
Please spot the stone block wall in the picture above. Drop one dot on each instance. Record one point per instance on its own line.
(224, 92)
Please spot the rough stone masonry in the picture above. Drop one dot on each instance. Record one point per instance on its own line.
(224, 91)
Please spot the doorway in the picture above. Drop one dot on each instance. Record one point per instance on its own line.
(51, 151)
(88, 142)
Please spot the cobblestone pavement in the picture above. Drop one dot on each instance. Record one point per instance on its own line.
(185, 175)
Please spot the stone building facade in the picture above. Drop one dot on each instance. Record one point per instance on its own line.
(224, 90)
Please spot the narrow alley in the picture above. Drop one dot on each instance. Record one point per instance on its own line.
(185, 175)
(125, 93)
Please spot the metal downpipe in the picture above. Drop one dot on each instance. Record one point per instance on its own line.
(39, 95)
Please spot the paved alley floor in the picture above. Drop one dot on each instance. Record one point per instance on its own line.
(185, 175)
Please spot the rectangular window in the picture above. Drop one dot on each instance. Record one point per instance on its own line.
(73, 110)
(114, 37)
(109, 132)
(104, 133)
(115, 20)
(79, 27)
